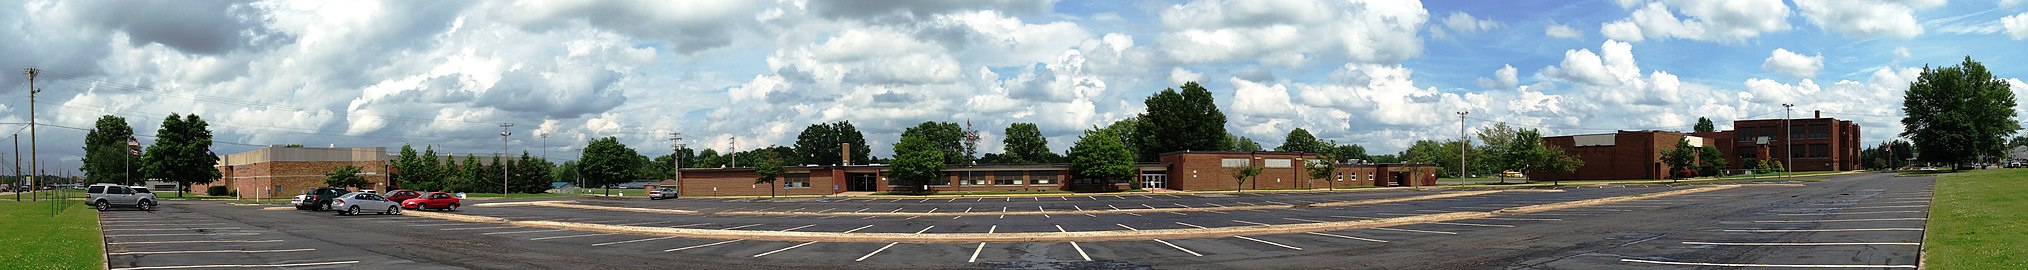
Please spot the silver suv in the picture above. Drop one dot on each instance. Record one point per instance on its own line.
(107, 196)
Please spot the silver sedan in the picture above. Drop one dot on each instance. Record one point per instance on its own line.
(353, 203)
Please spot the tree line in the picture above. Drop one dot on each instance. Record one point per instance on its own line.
(181, 152)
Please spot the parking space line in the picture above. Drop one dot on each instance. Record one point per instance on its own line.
(982, 245)
(1802, 244)
(896, 209)
(1045, 213)
(1148, 206)
(740, 226)
(1828, 230)
(1346, 237)
(175, 229)
(515, 232)
(1254, 223)
(239, 265)
(1836, 220)
(1266, 242)
(785, 249)
(193, 242)
(1473, 224)
(1770, 265)
(924, 200)
(876, 251)
(1194, 253)
(207, 251)
(1849, 213)
(1214, 204)
(862, 209)
(798, 227)
(643, 223)
(1125, 226)
(703, 245)
(688, 225)
(569, 236)
(1305, 220)
(1115, 208)
(932, 210)
(1073, 245)
(1408, 230)
(632, 241)
(1179, 204)
(826, 210)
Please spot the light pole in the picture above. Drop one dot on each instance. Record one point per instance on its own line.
(503, 158)
(1461, 145)
(676, 160)
(1788, 143)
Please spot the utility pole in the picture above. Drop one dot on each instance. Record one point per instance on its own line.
(545, 145)
(1461, 145)
(17, 166)
(36, 160)
(1788, 142)
(735, 152)
(676, 160)
(503, 158)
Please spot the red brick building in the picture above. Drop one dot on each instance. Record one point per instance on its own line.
(1178, 170)
(1820, 144)
(281, 172)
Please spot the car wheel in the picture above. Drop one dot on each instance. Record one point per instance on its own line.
(145, 206)
(454, 207)
(354, 210)
(393, 210)
(324, 207)
(102, 206)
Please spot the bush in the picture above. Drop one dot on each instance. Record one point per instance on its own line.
(216, 191)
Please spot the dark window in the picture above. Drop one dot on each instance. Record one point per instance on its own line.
(97, 190)
(799, 180)
(1820, 150)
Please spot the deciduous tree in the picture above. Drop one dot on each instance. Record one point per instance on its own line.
(182, 152)
(1025, 144)
(345, 176)
(1959, 113)
(917, 161)
(1705, 125)
(1174, 121)
(605, 161)
(1099, 154)
(108, 158)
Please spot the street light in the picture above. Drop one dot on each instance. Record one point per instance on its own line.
(1461, 145)
(1788, 143)
(503, 158)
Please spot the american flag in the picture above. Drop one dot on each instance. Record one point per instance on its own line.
(136, 152)
(132, 142)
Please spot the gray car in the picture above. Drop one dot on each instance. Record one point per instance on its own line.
(356, 202)
(107, 196)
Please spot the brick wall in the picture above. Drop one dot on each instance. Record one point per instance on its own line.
(282, 179)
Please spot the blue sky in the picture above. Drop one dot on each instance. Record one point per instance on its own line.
(1381, 74)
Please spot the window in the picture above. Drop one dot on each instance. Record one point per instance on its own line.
(1278, 163)
(1016, 181)
(1007, 178)
(800, 180)
(1820, 150)
(97, 190)
(1233, 162)
(972, 179)
(1042, 177)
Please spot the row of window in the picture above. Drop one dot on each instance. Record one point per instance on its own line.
(1802, 151)
(1748, 134)
(1242, 162)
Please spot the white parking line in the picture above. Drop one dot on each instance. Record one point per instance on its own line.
(741, 226)
(1770, 265)
(1801, 244)
(632, 241)
(703, 245)
(876, 251)
(175, 229)
(688, 225)
(1408, 230)
(515, 232)
(1073, 245)
(1836, 220)
(982, 245)
(193, 241)
(1254, 223)
(1346, 237)
(239, 265)
(209, 251)
(1850, 213)
(1194, 253)
(784, 249)
(1125, 226)
(569, 236)
(1473, 224)
(1353, 217)
(798, 227)
(1266, 242)
(1829, 230)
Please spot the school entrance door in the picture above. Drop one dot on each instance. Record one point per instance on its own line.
(1154, 181)
(861, 182)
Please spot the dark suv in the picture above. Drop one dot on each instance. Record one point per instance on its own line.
(319, 198)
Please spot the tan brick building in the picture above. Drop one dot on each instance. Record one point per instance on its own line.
(1178, 170)
(281, 172)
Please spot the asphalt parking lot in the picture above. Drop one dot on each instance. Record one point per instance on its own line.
(1859, 220)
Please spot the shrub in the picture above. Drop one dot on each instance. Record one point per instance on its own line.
(216, 191)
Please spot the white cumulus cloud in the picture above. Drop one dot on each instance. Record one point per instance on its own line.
(1863, 18)
(1725, 21)
(1793, 64)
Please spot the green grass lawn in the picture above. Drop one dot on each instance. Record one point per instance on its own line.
(31, 239)
(1978, 220)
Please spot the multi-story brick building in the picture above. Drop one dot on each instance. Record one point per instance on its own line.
(281, 172)
(1820, 144)
(1177, 170)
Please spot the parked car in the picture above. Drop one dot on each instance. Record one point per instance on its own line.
(437, 200)
(319, 198)
(354, 203)
(661, 193)
(143, 191)
(400, 195)
(107, 196)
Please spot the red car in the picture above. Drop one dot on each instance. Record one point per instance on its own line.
(401, 195)
(434, 200)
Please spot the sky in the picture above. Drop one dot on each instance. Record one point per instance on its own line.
(1381, 74)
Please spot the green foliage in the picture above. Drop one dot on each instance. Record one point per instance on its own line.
(182, 152)
(1025, 144)
(1705, 125)
(1959, 113)
(1682, 157)
(1532, 155)
(216, 191)
(1180, 121)
(819, 144)
(1496, 153)
(1443, 154)
(531, 174)
(1761, 167)
(1388, 158)
(1713, 162)
(1887, 155)
(916, 161)
(946, 136)
(1300, 140)
(1240, 176)
(1127, 130)
(107, 158)
(1348, 151)
(1234, 142)
(606, 161)
(769, 167)
(1776, 166)
(1321, 167)
(1099, 154)
(345, 176)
